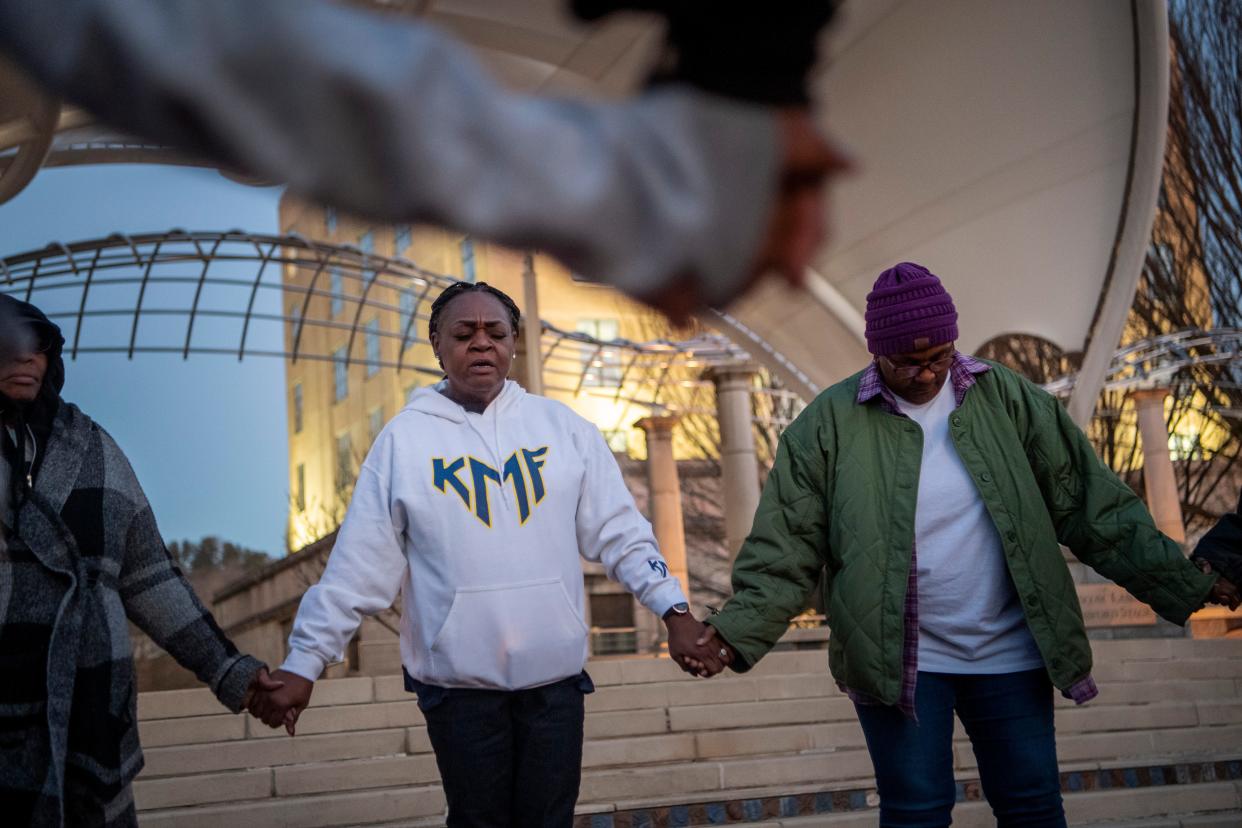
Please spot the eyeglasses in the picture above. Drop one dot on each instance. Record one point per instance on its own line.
(936, 366)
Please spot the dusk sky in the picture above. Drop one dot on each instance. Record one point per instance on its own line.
(207, 436)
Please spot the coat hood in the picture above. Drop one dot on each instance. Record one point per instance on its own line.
(21, 323)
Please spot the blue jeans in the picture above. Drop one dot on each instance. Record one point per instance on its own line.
(507, 759)
(1008, 718)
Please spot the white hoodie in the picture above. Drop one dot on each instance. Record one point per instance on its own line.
(479, 519)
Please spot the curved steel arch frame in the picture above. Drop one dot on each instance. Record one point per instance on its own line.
(154, 282)
(78, 284)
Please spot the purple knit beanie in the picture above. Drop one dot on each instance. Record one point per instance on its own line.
(909, 310)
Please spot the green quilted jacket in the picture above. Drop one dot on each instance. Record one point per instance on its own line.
(840, 500)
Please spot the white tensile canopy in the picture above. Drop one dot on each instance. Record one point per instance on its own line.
(1014, 148)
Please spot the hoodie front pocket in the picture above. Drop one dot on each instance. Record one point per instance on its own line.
(510, 637)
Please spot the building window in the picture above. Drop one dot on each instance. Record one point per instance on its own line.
(340, 375)
(297, 408)
(299, 488)
(366, 243)
(402, 238)
(601, 367)
(295, 323)
(467, 259)
(329, 219)
(373, 347)
(337, 289)
(375, 422)
(612, 623)
(344, 462)
(409, 307)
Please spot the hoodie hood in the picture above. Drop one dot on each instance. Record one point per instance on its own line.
(20, 323)
(430, 399)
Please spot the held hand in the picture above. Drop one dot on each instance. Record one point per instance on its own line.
(261, 683)
(284, 705)
(711, 641)
(1224, 592)
(796, 225)
(684, 635)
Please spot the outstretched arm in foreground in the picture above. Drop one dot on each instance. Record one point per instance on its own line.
(677, 197)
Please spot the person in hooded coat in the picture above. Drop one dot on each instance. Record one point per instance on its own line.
(80, 556)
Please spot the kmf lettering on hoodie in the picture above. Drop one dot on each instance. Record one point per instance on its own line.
(522, 464)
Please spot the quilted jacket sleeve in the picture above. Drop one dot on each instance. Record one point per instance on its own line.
(780, 563)
(1099, 517)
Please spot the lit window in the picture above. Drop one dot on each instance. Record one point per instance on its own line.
(340, 375)
(295, 323)
(376, 422)
(409, 307)
(402, 238)
(344, 462)
(299, 488)
(366, 243)
(297, 408)
(373, 347)
(329, 219)
(337, 289)
(601, 367)
(467, 259)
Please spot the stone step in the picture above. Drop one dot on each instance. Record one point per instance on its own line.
(1148, 745)
(178, 704)
(798, 674)
(1224, 819)
(1179, 668)
(671, 777)
(360, 808)
(1205, 805)
(1108, 712)
(339, 719)
(1145, 692)
(188, 760)
(622, 739)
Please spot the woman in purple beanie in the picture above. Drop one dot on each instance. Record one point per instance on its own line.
(934, 491)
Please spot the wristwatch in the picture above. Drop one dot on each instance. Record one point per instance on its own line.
(681, 608)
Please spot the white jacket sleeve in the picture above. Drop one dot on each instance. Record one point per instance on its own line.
(393, 120)
(612, 531)
(364, 574)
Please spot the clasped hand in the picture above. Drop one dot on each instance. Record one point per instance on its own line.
(1224, 592)
(696, 647)
(279, 698)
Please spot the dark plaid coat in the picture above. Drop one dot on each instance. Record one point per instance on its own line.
(86, 556)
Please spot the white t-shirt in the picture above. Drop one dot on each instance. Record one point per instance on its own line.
(970, 619)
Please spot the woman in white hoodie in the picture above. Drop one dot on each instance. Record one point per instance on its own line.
(475, 503)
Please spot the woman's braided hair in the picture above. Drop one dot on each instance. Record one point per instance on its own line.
(457, 289)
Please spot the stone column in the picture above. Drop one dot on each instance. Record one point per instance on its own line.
(664, 509)
(532, 328)
(664, 496)
(1162, 498)
(739, 465)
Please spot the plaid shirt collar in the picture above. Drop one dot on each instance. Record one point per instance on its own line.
(963, 373)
